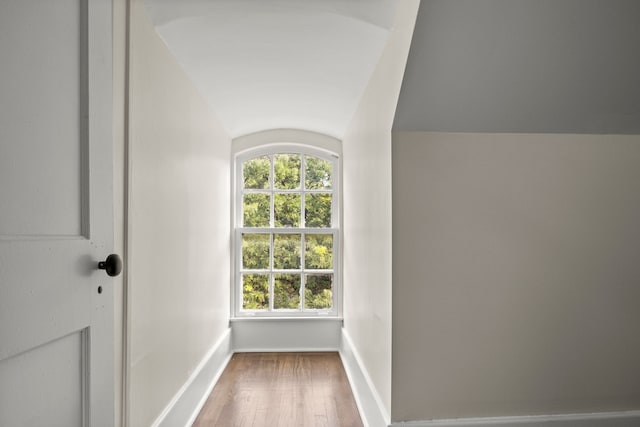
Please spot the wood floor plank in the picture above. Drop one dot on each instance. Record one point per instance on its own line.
(281, 390)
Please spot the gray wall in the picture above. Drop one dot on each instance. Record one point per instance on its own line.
(516, 239)
(516, 274)
(555, 66)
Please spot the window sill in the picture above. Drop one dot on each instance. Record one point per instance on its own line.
(285, 318)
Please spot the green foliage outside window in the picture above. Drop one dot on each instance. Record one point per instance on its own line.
(286, 291)
(256, 173)
(317, 292)
(318, 253)
(317, 210)
(286, 251)
(295, 178)
(286, 168)
(255, 290)
(286, 210)
(255, 251)
(256, 210)
(318, 174)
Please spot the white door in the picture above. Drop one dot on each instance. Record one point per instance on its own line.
(56, 333)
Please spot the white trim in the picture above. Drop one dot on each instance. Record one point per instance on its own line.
(314, 139)
(269, 143)
(599, 419)
(370, 406)
(186, 404)
(287, 318)
(286, 334)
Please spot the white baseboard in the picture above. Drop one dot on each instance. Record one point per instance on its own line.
(368, 400)
(601, 419)
(283, 335)
(183, 409)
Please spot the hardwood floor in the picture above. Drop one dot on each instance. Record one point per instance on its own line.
(281, 390)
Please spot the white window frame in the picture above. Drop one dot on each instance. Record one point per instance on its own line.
(248, 148)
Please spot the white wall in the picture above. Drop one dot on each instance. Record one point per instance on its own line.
(515, 268)
(179, 233)
(367, 209)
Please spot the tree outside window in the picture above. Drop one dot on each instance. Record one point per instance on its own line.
(287, 237)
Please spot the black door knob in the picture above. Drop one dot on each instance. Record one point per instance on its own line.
(112, 265)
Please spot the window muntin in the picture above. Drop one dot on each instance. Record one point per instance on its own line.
(287, 233)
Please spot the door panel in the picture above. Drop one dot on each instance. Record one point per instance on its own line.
(56, 216)
(41, 91)
(49, 379)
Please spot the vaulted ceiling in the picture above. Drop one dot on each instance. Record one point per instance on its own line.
(277, 63)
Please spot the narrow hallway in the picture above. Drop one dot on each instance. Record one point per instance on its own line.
(281, 389)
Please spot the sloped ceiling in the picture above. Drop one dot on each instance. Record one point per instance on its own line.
(280, 63)
(533, 66)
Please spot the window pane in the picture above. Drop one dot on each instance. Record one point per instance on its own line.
(287, 171)
(287, 210)
(317, 174)
(255, 251)
(286, 291)
(286, 251)
(318, 291)
(318, 251)
(256, 173)
(317, 212)
(255, 291)
(255, 210)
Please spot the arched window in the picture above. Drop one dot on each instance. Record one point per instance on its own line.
(287, 239)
